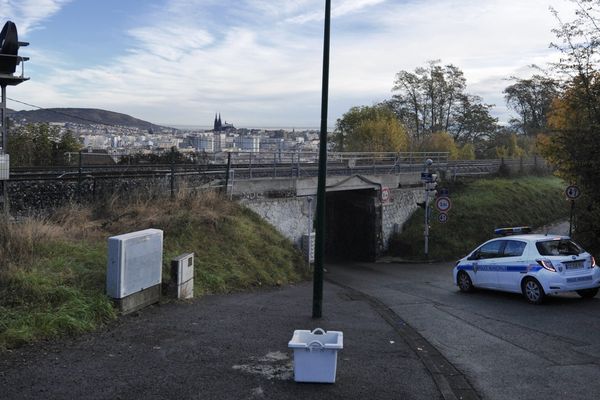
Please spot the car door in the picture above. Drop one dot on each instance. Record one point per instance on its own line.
(514, 265)
(485, 264)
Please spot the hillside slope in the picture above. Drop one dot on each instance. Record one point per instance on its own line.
(477, 209)
(53, 271)
(81, 116)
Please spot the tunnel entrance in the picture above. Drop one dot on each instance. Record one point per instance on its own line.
(353, 220)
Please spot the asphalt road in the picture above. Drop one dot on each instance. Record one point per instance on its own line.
(505, 347)
(225, 347)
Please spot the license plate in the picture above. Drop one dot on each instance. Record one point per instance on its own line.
(574, 265)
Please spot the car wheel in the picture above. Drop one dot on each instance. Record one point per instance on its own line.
(464, 282)
(533, 291)
(588, 293)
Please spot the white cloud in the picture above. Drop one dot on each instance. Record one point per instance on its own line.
(29, 14)
(256, 67)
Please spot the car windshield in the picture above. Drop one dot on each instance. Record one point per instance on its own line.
(558, 247)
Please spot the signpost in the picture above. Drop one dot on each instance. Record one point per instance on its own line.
(572, 192)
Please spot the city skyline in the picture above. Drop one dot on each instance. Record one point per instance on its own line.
(177, 62)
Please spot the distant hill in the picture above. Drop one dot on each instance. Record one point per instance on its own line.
(81, 116)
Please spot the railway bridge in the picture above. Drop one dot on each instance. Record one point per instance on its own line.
(369, 195)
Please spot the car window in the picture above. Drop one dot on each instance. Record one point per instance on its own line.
(558, 247)
(514, 248)
(491, 249)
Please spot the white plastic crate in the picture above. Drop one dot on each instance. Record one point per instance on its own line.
(315, 355)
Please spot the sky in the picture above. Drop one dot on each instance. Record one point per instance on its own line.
(259, 62)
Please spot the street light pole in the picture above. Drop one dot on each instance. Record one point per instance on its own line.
(320, 228)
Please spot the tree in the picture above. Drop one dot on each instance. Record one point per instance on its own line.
(574, 144)
(433, 99)
(531, 100)
(441, 142)
(473, 121)
(370, 128)
(40, 145)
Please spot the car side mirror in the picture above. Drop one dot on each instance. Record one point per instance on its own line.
(474, 256)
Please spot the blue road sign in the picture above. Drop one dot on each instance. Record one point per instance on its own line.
(443, 192)
(427, 176)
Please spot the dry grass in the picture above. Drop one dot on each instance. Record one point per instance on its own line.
(53, 269)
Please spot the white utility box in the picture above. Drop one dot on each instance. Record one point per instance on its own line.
(134, 262)
(182, 275)
(4, 167)
(315, 355)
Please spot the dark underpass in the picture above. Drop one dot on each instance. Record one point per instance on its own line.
(353, 220)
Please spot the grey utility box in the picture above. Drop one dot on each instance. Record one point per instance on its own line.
(4, 167)
(134, 271)
(182, 276)
(308, 247)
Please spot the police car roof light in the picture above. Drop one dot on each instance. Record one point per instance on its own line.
(512, 231)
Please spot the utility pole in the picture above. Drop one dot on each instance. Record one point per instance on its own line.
(320, 229)
(428, 163)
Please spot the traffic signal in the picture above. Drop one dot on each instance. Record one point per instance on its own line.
(9, 49)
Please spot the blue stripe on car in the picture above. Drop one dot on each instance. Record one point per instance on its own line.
(500, 268)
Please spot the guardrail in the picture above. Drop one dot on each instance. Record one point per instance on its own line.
(282, 165)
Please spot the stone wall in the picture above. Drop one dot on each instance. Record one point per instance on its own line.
(34, 197)
(290, 216)
(398, 210)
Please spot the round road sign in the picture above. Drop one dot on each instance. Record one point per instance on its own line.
(572, 192)
(443, 218)
(385, 194)
(443, 204)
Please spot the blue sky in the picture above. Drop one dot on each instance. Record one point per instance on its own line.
(258, 62)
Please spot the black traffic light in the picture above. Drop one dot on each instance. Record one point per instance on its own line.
(9, 48)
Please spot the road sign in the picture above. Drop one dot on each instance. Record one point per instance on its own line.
(442, 218)
(443, 192)
(443, 204)
(573, 192)
(385, 194)
(427, 176)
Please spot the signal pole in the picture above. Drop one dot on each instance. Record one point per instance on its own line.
(9, 60)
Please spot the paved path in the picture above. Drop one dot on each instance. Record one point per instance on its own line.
(223, 347)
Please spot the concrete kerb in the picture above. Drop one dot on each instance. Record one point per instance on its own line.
(451, 383)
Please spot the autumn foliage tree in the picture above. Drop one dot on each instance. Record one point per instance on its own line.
(574, 144)
(370, 128)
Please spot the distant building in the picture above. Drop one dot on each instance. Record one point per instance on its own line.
(248, 143)
(218, 126)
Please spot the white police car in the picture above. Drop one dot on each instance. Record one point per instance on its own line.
(535, 265)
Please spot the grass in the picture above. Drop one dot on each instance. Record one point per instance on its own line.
(52, 270)
(477, 209)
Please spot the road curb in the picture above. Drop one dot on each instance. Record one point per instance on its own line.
(452, 384)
